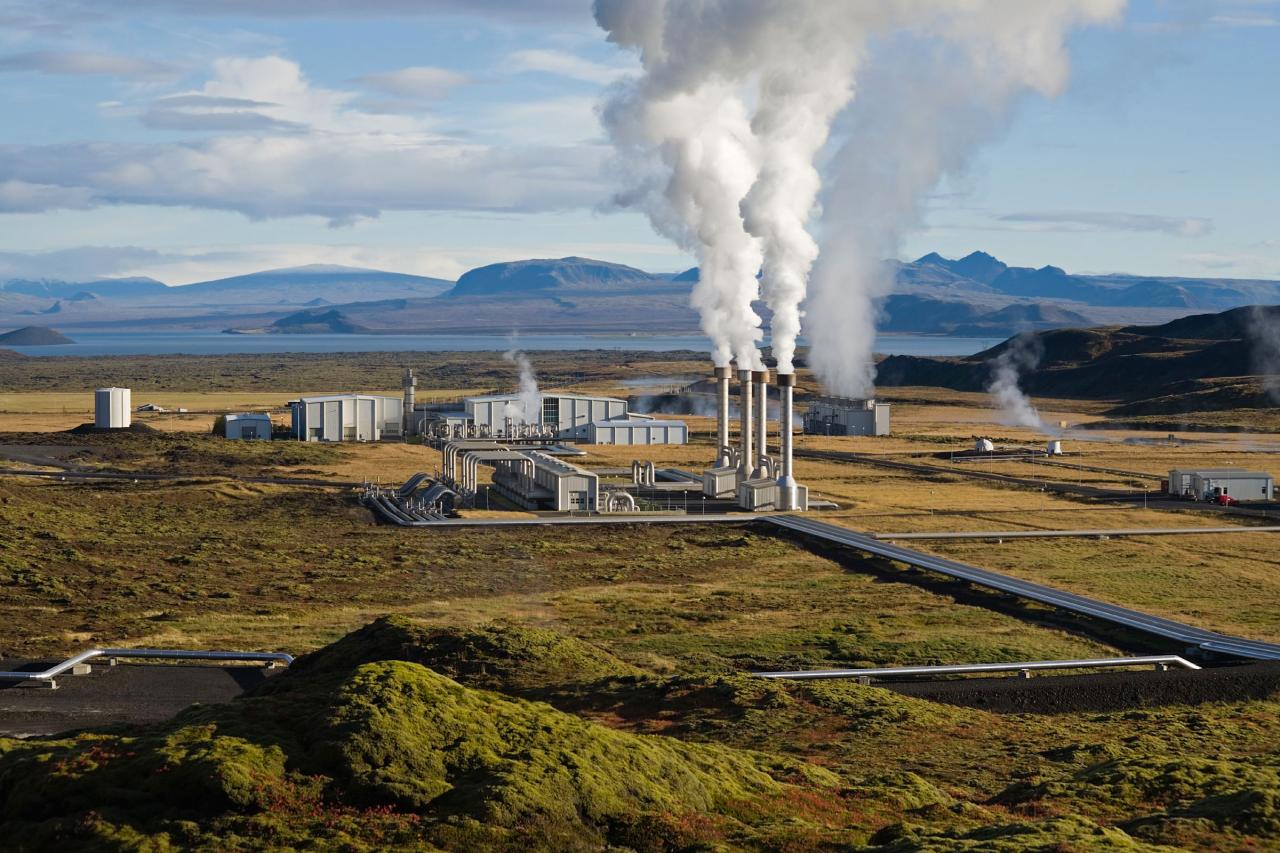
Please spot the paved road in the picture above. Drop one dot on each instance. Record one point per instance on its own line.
(135, 693)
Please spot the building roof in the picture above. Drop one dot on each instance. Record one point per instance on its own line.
(557, 467)
(323, 398)
(249, 416)
(495, 398)
(636, 422)
(1225, 473)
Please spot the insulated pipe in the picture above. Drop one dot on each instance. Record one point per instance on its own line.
(723, 375)
(760, 378)
(746, 462)
(787, 497)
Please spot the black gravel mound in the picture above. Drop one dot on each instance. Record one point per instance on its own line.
(90, 429)
(1104, 691)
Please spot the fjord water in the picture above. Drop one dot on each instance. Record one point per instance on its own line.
(213, 343)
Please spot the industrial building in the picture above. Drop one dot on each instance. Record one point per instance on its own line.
(347, 417)
(637, 431)
(112, 408)
(1210, 483)
(248, 426)
(565, 415)
(846, 416)
(529, 478)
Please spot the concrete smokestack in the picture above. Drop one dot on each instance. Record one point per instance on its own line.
(723, 375)
(787, 497)
(746, 464)
(760, 378)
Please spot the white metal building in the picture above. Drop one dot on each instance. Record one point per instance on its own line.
(347, 417)
(846, 416)
(1208, 483)
(573, 488)
(249, 426)
(112, 408)
(632, 431)
(568, 414)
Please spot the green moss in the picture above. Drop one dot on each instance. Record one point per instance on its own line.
(1062, 835)
(381, 752)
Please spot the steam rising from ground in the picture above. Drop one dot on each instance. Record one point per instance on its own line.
(1022, 354)
(1264, 338)
(528, 409)
(721, 135)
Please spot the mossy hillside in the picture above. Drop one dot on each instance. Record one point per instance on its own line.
(1060, 835)
(394, 752)
(511, 659)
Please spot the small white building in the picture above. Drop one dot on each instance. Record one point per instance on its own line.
(846, 416)
(112, 408)
(249, 426)
(1208, 483)
(632, 431)
(568, 414)
(347, 417)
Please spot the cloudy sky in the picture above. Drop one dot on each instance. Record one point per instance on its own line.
(190, 139)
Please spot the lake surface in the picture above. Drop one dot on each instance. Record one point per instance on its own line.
(213, 343)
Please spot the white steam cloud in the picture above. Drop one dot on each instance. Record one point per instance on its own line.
(528, 409)
(723, 131)
(1020, 355)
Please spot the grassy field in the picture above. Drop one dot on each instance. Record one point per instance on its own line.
(585, 667)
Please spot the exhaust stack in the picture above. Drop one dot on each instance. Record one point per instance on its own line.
(410, 386)
(788, 497)
(746, 462)
(723, 374)
(760, 378)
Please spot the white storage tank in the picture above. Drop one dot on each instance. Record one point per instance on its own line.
(112, 408)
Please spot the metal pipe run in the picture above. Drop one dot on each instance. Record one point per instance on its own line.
(1160, 661)
(746, 463)
(69, 665)
(787, 497)
(760, 379)
(723, 454)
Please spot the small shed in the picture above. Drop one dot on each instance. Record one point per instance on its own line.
(249, 426)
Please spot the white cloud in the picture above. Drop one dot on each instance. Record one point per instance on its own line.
(1247, 21)
(564, 64)
(84, 63)
(422, 82)
(27, 197)
(77, 264)
(1086, 220)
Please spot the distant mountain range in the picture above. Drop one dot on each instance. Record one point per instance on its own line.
(976, 295)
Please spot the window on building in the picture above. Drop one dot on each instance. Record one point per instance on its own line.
(551, 410)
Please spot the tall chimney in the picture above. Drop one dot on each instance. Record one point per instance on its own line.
(787, 497)
(410, 386)
(746, 464)
(760, 378)
(723, 375)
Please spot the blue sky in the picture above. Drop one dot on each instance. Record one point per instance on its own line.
(190, 139)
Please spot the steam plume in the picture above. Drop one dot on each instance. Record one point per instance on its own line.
(528, 409)
(1263, 329)
(735, 105)
(1021, 354)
